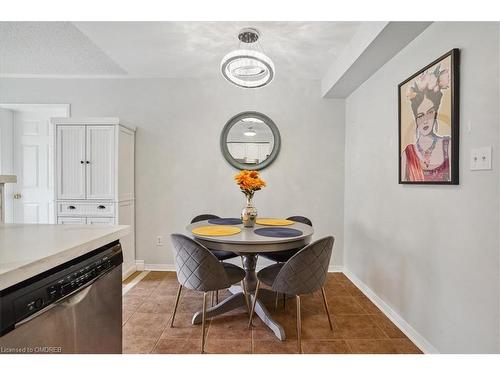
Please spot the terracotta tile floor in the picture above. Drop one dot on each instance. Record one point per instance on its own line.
(359, 326)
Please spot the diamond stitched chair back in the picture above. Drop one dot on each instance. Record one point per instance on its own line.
(306, 271)
(220, 254)
(204, 217)
(284, 255)
(197, 268)
(303, 273)
(301, 219)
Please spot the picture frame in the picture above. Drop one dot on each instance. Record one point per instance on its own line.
(428, 123)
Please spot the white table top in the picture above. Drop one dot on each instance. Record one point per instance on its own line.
(248, 241)
(29, 249)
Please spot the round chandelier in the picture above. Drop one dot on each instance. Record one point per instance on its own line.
(248, 66)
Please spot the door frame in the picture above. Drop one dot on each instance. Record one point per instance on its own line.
(65, 107)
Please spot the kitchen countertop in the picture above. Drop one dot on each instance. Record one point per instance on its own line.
(29, 249)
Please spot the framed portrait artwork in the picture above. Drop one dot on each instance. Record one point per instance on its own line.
(429, 123)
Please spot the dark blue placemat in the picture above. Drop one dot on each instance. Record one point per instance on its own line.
(278, 232)
(225, 221)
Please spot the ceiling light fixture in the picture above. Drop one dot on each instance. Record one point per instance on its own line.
(250, 132)
(248, 67)
(252, 119)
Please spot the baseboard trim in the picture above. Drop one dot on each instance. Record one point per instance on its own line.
(139, 265)
(129, 271)
(424, 345)
(134, 282)
(336, 269)
(159, 267)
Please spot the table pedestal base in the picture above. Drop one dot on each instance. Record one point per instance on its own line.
(238, 300)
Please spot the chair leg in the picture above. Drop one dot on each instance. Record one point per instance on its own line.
(245, 296)
(216, 297)
(175, 305)
(284, 301)
(326, 308)
(299, 325)
(212, 298)
(276, 302)
(253, 304)
(203, 322)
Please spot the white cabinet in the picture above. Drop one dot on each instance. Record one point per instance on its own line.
(100, 161)
(85, 161)
(70, 162)
(95, 176)
(71, 220)
(101, 220)
(86, 220)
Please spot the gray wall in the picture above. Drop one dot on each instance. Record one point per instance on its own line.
(430, 252)
(180, 171)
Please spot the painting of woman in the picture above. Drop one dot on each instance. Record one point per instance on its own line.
(427, 128)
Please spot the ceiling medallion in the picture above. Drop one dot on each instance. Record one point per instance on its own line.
(248, 66)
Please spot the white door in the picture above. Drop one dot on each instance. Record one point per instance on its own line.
(71, 220)
(33, 150)
(71, 162)
(100, 157)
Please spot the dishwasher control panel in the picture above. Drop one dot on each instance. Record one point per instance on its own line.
(32, 296)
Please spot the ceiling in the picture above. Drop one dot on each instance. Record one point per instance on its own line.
(164, 49)
(51, 48)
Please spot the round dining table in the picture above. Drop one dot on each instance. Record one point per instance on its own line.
(248, 245)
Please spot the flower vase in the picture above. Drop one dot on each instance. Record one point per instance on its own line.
(249, 214)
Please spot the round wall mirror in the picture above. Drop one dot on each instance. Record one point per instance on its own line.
(250, 140)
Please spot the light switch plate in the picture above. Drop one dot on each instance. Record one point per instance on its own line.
(480, 159)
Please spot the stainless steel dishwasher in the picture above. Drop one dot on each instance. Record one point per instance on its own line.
(73, 308)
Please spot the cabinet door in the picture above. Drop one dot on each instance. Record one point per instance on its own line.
(101, 163)
(71, 220)
(70, 162)
(101, 220)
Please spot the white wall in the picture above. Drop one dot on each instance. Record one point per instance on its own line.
(6, 131)
(430, 252)
(180, 171)
(6, 157)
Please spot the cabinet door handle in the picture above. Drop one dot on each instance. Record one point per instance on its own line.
(101, 207)
(87, 162)
(71, 207)
(82, 162)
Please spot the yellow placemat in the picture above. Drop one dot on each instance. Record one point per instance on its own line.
(216, 230)
(274, 222)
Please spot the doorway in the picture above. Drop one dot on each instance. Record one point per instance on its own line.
(31, 159)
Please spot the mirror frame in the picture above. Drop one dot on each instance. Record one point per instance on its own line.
(253, 167)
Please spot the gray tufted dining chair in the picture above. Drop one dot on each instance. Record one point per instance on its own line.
(303, 273)
(198, 269)
(284, 255)
(220, 254)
